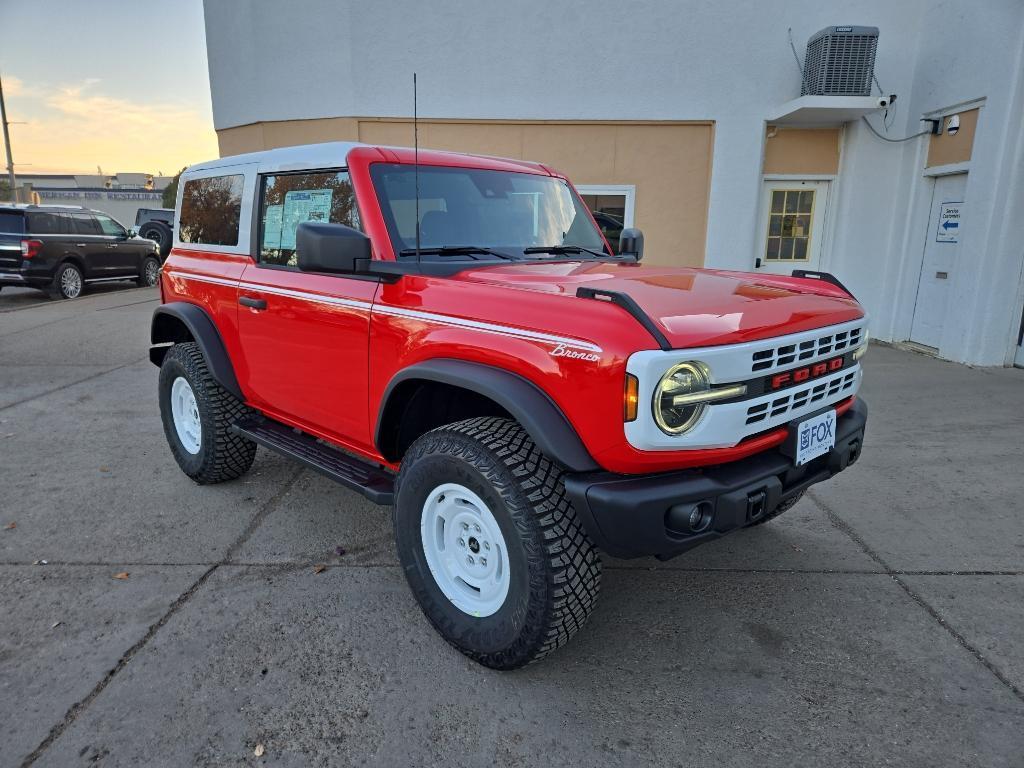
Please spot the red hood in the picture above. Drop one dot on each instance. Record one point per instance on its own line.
(692, 307)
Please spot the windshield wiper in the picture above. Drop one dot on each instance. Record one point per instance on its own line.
(561, 250)
(453, 250)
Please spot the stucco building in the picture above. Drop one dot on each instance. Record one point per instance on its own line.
(685, 119)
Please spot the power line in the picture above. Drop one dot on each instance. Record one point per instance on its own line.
(886, 138)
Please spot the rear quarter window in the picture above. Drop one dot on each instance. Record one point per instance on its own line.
(46, 223)
(211, 209)
(12, 223)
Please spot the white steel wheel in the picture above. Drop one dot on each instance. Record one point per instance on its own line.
(465, 550)
(185, 414)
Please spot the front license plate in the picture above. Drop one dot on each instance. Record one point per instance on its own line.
(815, 436)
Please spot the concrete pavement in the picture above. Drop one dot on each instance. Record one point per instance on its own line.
(877, 623)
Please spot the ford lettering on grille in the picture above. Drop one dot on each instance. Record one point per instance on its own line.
(806, 373)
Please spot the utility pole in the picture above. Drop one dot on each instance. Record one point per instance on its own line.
(7, 143)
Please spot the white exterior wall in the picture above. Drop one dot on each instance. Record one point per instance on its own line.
(665, 60)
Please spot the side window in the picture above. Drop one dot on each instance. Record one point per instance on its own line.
(64, 226)
(210, 210)
(286, 200)
(85, 224)
(43, 224)
(110, 227)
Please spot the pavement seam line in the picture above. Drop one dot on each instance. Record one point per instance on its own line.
(78, 707)
(846, 528)
(80, 303)
(70, 317)
(129, 304)
(310, 563)
(71, 384)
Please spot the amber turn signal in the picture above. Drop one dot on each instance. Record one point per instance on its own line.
(630, 398)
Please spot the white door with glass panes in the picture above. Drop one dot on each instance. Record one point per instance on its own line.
(792, 225)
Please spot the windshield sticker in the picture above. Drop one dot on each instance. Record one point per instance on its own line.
(300, 206)
(272, 226)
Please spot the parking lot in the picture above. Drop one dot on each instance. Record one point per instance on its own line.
(880, 622)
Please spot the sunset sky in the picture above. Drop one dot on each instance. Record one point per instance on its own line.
(121, 84)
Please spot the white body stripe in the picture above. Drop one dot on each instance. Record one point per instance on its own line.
(381, 309)
(503, 330)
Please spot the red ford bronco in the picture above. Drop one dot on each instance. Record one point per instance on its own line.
(453, 336)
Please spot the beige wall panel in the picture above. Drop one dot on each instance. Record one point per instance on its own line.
(291, 132)
(501, 139)
(585, 153)
(669, 163)
(390, 132)
(810, 151)
(671, 167)
(945, 149)
(244, 138)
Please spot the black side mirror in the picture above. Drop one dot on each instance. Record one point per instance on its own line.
(329, 247)
(631, 243)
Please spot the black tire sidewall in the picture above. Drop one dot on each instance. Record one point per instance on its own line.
(508, 626)
(174, 366)
(161, 235)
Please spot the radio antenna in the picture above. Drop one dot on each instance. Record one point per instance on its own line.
(416, 162)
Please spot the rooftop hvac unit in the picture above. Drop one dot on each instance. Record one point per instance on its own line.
(840, 61)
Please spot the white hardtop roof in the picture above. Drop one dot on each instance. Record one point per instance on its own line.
(330, 154)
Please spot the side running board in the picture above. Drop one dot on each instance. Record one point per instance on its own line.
(375, 483)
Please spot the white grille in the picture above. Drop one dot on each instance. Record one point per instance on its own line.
(728, 423)
(796, 353)
(797, 399)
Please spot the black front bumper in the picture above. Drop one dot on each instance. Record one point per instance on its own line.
(629, 515)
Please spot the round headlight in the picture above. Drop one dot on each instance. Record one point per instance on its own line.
(682, 379)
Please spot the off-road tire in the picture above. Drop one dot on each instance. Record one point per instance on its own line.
(143, 280)
(160, 233)
(555, 571)
(58, 290)
(223, 455)
(783, 507)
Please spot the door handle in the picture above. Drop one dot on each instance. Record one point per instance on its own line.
(111, 245)
(757, 263)
(79, 245)
(249, 301)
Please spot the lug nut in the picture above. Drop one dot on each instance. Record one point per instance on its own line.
(487, 546)
(483, 561)
(462, 542)
(469, 559)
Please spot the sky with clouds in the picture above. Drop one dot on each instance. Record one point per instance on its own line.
(120, 84)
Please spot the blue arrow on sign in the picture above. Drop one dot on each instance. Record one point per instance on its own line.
(948, 225)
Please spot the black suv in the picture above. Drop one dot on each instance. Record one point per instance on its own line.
(64, 248)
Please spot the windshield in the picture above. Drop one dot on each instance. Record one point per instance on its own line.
(500, 210)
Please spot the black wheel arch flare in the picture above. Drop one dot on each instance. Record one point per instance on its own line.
(181, 321)
(537, 413)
